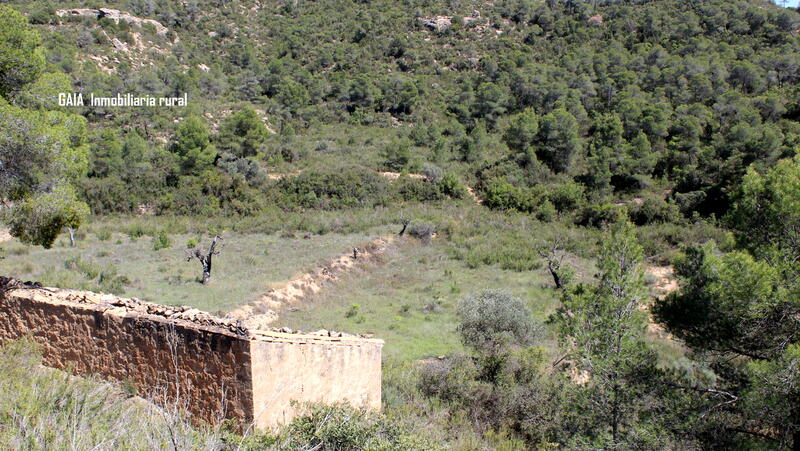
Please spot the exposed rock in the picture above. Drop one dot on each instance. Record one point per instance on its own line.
(441, 23)
(119, 45)
(437, 23)
(595, 20)
(113, 14)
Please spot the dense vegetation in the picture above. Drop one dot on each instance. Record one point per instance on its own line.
(644, 131)
(541, 109)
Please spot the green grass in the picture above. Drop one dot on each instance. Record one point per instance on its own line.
(43, 408)
(410, 301)
(130, 266)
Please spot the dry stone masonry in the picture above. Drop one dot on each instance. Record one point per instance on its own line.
(217, 367)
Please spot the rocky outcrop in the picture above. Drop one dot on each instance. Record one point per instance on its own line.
(113, 14)
(437, 23)
(441, 23)
(595, 20)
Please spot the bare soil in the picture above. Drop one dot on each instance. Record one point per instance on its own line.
(264, 310)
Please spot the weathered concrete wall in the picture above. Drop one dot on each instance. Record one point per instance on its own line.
(290, 367)
(219, 369)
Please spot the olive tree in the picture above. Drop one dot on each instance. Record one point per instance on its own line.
(494, 318)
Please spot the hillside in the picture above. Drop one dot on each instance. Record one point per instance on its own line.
(636, 98)
(574, 223)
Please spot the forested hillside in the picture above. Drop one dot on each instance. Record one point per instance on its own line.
(543, 107)
(548, 157)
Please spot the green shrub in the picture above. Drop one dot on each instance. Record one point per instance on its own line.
(654, 210)
(333, 189)
(505, 196)
(451, 186)
(343, 428)
(600, 215)
(108, 195)
(110, 282)
(161, 241)
(494, 318)
(136, 231)
(433, 173)
(95, 277)
(89, 269)
(103, 234)
(567, 197)
(397, 155)
(546, 211)
(352, 311)
(413, 189)
(422, 231)
(43, 16)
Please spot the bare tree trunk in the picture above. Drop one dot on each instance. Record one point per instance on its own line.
(205, 258)
(71, 236)
(405, 224)
(553, 255)
(554, 273)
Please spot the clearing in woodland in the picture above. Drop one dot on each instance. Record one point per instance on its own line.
(112, 262)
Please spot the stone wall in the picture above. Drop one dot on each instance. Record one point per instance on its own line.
(217, 368)
(289, 367)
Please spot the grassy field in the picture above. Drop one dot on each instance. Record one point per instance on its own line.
(410, 300)
(108, 261)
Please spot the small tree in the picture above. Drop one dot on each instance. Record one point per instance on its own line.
(492, 319)
(554, 254)
(397, 155)
(161, 241)
(521, 134)
(75, 213)
(20, 60)
(559, 140)
(242, 133)
(204, 257)
(603, 328)
(192, 143)
(39, 218)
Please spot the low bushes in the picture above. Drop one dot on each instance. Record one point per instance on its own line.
(544, 202)
(349, 187)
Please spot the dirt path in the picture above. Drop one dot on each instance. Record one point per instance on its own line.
(474, 196)
(396, 175)
(665, 284)
(263, 311)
